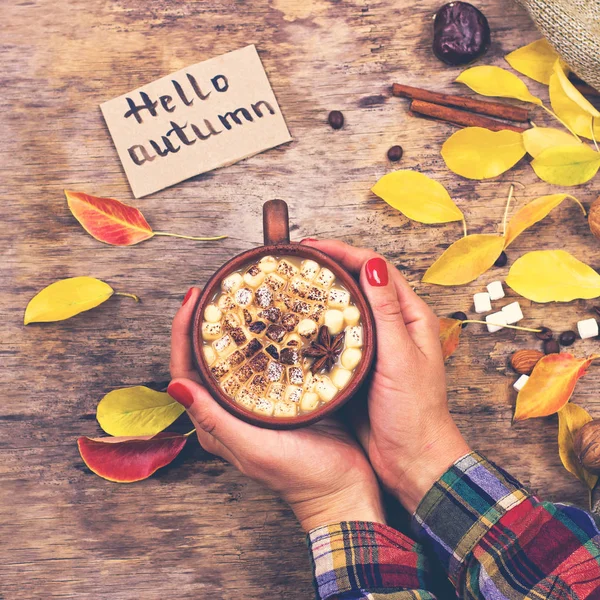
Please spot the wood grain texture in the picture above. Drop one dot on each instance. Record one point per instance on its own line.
(198, 528)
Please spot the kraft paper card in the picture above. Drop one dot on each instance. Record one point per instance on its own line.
(209, 115)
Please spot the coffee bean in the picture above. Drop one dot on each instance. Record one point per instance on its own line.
(460, 316)
(336, 119)
(501, 260)
(395, 153)
(551, 347)
(544, 334)
(567, 338)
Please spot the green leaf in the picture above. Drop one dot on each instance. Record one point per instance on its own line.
(567, 165)
(418, 197)
(136, 411)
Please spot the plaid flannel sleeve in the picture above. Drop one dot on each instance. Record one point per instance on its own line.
(496, 541)
(356, 559)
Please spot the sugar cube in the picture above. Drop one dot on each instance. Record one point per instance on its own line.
(519, 383)
(512, 313)
(482, 302)
(588, 328)
(495, 321)
(495, 290)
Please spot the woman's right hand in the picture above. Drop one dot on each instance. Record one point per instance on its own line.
(410, 437)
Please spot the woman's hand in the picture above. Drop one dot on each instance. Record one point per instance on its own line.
(321, 471)
(410, 437)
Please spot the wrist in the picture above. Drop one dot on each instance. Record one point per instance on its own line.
(354, 503)
(438, 452)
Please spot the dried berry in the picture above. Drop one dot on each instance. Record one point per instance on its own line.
(336, 119)
(567, 338)
(461, 33)
(544, 334)
(460, 316)
(551, 347)
(501, 260)
(395, 153)
(586, 446)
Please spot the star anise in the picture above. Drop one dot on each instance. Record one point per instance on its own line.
(325, 350)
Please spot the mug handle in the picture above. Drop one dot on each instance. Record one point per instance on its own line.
(276, 223)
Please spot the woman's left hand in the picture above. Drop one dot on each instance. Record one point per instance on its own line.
(321, 470)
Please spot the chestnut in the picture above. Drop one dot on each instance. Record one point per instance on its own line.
(461, 33)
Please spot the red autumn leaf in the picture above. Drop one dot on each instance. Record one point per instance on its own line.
(449, 335)
(128, 459)
(109, 220)
(550, 385)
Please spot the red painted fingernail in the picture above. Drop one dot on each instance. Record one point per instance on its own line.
(178, 391)
(187, 296)
(308, 240)
(376, 271)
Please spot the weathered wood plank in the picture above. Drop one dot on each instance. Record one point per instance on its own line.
(199, 527)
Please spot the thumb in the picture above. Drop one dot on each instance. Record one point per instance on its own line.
(393, 339)
(211, 417)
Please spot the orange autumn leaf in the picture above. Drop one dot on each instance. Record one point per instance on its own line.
(449, 335)
(114, 222)
(129, 459)
(550, 385)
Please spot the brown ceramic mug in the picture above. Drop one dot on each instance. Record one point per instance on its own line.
(277, 242)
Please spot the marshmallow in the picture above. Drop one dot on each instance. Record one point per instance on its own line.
(495, 290)
(212, 313)
(338, 298)
(253, 277)
(225, 302)
(223, 345)
(309, 402)
(325, 389)
(232, 283)
(340, 377)
(307, 328)
(519, 383)
(285, 409)
(325, 278)
(482, 302)
(210, 355)
(309, 269)
(211, 331)
(498, 319)
(351, 315)
(588, 328)
(354, 337)
(267, 264)
(263, 407)
(350, 358)
(334, 321)
(512, 312)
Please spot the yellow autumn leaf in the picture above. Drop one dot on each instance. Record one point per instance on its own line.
(566, 165)
(534, 60)
(533, 212)
(572, 92)
(553, 276)
(66, 298)
(136, 411)
(571, 113)
(465, 260)
(497, 82)
(538, 139)
(478, 153)
(418, 197)
(571, 418)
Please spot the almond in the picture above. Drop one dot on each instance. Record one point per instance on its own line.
(523, 361)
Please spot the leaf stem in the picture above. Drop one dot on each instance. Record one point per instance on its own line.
(136, 298)
(189, 237)
(594, 135)
(561, 122)
(579, 203)
(189, 433)
(464, 222)
(503, 326)
(510, 194)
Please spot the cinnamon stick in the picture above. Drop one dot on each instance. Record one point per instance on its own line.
(492, 109)
(459, 117)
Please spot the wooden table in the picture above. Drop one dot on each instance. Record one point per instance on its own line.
(198, 529)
